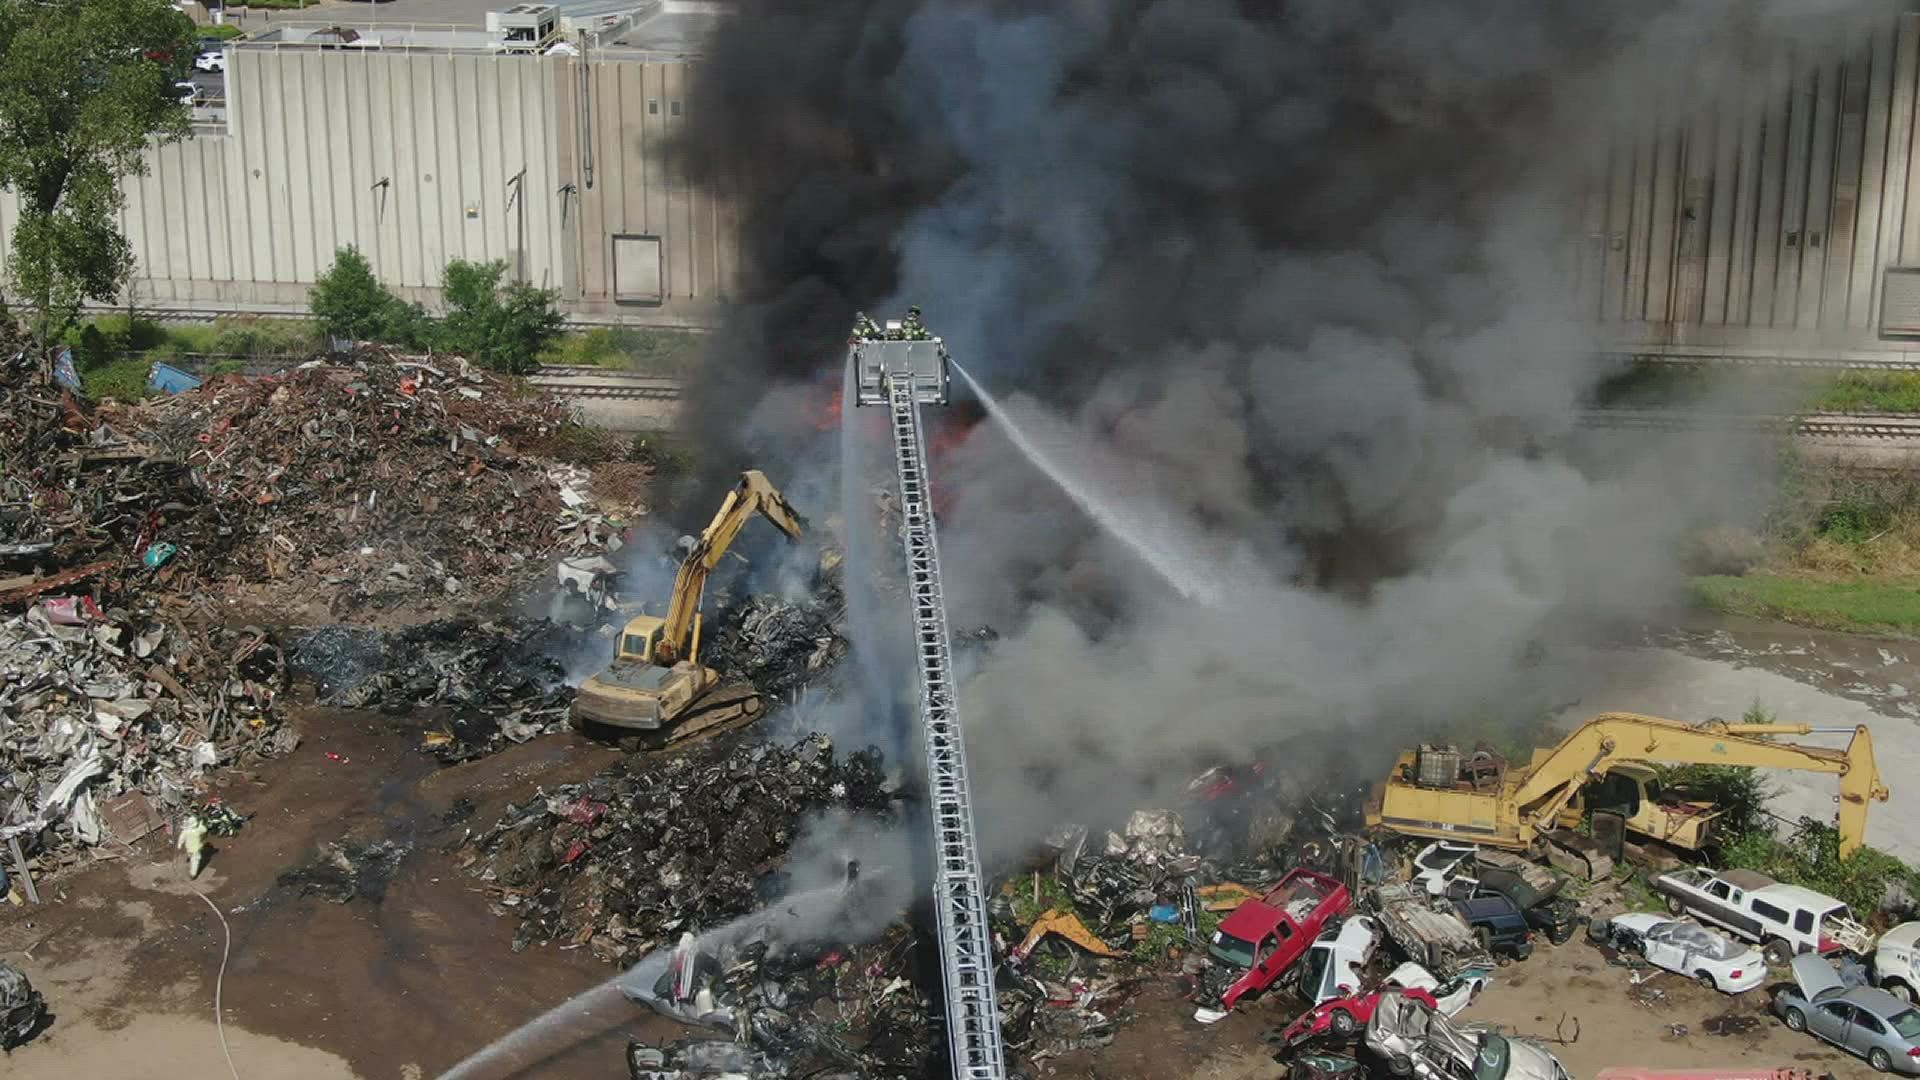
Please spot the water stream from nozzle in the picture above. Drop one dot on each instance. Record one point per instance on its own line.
(1152, 533)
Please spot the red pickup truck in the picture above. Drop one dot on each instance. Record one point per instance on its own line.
(1262, 938)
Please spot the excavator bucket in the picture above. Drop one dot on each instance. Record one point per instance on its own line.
(1225, 896)
(1068, 926)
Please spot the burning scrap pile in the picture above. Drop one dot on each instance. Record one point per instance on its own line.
(489, 682)
(798, 1004)
(114, 717)
(657, 845)
(362, 485)
(779, 645)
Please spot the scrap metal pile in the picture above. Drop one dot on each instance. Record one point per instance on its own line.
(479, 684)
(661, 844)
(365, 485)
(132, 535)
(114, 717)
(805, 1006)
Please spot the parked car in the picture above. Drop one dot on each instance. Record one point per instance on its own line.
(1332, 967)
(1896, 961)
(1782, 919)
(1439, 863)
(1712, 959)
(1449, 996)
(1500, 925)
(1343, 1017)
(1261, 939)
(186, 92)
(1861, 1020)
(212, 57)
(1413, 1039)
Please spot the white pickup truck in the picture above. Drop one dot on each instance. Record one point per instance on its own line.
(1783, 919)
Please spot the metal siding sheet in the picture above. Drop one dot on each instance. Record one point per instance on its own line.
(419, 206)
(1691, 227)
(1746, 209)
(680, 236)
(1864, 276)
(1893, 207)
(444, 189)
(1613, 279)
(472, 189)
(338, 179)
(1662, 239)
(1793, 204)
(267, 69)
(383, 200)
(1849, 150)
(596, 254)
(1639, 230)
(1725, 182)
(636, 133)
(1813, 241)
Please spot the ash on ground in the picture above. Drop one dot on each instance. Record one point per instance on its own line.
(481, 685)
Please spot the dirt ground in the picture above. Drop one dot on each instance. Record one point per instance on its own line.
(127, 955)
(410, 983)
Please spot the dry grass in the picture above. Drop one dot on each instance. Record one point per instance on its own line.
(1892, 551)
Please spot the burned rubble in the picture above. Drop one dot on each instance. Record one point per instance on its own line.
(665, 843)
(477, 685)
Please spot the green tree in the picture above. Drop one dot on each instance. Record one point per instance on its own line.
(504, 328)
(351, 303)
(85, 87)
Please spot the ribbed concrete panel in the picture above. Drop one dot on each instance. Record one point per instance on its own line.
(416, 158)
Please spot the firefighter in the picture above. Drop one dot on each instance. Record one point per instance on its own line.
(913, 329)
(864, 328)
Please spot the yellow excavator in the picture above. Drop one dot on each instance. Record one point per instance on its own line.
(1438, 792)
(656, 682)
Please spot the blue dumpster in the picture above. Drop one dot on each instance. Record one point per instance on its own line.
(168, 379)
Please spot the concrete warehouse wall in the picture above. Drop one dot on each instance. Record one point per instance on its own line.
(552, 164)
(1787, 223)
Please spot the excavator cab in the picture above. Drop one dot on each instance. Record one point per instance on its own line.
(640, 639)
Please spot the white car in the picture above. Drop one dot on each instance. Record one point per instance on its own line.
(211, 60)
(1333, 965)
(1439, 863)
(1453, 995)
(1687, 948)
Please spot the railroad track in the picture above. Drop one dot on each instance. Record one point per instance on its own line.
(1887, 427)
(601, 385)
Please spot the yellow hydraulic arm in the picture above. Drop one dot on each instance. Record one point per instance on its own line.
(1611, 737)
(753, 494)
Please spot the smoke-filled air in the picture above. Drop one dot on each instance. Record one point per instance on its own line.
(1277, 294)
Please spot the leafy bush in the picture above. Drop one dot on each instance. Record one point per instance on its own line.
(122, 380)
(1741, 793)
(254, 337)
(1865, 881)
(351, 303)
(505, 328)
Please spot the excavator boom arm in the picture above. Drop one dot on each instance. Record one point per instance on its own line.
(1610, 738)
(754, 494)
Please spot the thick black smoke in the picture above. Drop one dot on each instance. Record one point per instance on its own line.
(1287, 274)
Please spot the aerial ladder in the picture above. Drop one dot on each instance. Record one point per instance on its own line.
(901, 367)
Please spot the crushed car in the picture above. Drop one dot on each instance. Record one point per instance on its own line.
(1712, 959)
(1414, 1039)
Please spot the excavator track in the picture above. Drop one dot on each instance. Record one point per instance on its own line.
(726, 708)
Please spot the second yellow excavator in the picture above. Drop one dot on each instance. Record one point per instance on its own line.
(656, 682)
(1440, 793)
